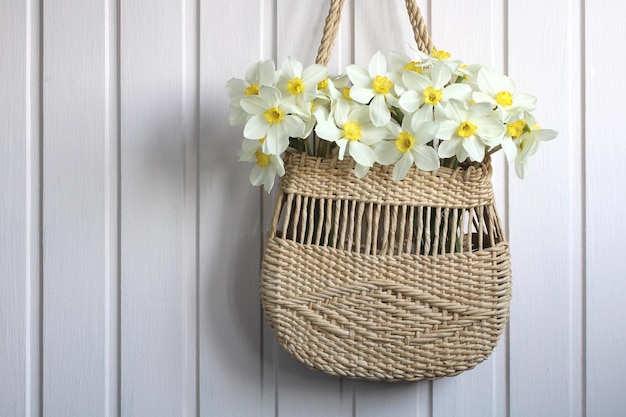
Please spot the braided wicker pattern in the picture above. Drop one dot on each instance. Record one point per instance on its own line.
(361, 301)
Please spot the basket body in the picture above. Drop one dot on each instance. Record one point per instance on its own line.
(369, 278)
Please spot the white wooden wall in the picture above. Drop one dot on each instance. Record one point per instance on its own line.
(130, 238)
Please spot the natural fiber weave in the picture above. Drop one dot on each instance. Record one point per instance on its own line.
(369, 278)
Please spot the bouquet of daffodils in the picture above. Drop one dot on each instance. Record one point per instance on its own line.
(430, 112)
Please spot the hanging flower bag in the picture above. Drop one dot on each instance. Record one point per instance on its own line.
(386, 258)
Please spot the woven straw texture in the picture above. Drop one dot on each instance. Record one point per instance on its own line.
(369, 278)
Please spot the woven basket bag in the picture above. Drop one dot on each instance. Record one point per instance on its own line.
(381, 280)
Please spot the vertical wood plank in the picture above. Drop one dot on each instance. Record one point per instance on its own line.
(20, 268)
(481, 391)
(605, 230)
(77, 245)
(385, 26)
(545, 215)
(230, 218)
(300, 391)
(158, 265)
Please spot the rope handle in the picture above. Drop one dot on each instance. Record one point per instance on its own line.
(331, 27)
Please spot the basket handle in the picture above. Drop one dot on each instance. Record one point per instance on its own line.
(331, 27)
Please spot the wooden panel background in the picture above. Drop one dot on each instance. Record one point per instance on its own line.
(130, 238)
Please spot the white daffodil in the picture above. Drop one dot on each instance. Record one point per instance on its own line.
(300, 84)
(273, 118)
(409, 147)
(265, 169)
(401, 62)
(468, 131)
(354, 134)
(527, 145)
(425, 95)
(439, 57)
(259, 74)
(373, 87)
(499, 90)
(249, 148)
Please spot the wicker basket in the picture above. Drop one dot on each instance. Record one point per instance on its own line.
(382, 280)
(369, 278)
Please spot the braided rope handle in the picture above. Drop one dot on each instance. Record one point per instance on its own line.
(331, 27)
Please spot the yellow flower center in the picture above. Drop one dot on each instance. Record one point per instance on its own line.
(381, 85)
(414, 66)
(252, 90)
(295, 86)
(322, 84)
(440, 54)
(432, 96)
(504, 98)
(467, 129)
(405, 141)
(262, 159)
(346, 93)
(352, 130)
(274, 115)
(516, 128)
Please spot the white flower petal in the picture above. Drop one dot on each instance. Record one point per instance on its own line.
(315, 73)
(236, 89)
(292, 68)
(440, 75)
(410, 101)
(378, 65)
(449, 148)
(361, 171)
(266, 74)
(387, 153)
(403, 166)
(256, 128)
(478, 110)
(328, 131)
(362, 94)
(277, 140)
(461, 92)
(358, 76)
(425, 132)
(447, 129)
(294, 126)
(237, 116)
(414, 81)
(372, 134)
(426, 158)
(361, 153)
(545, 134)
(475, 149)
(509, 148)
(379, 112)
(253, 105)
(271, 95)
(457, 111)
(491, 131)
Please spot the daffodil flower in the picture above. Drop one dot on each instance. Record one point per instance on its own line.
(354, 134)
(272, 118)
(401, 62)
(409, 146)
(499, 90)
(439, 57)
(259, 74)
(265, 169)
(425, 94)
(373, 87)
(467, 131)
(299, 84)
(527, 145)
